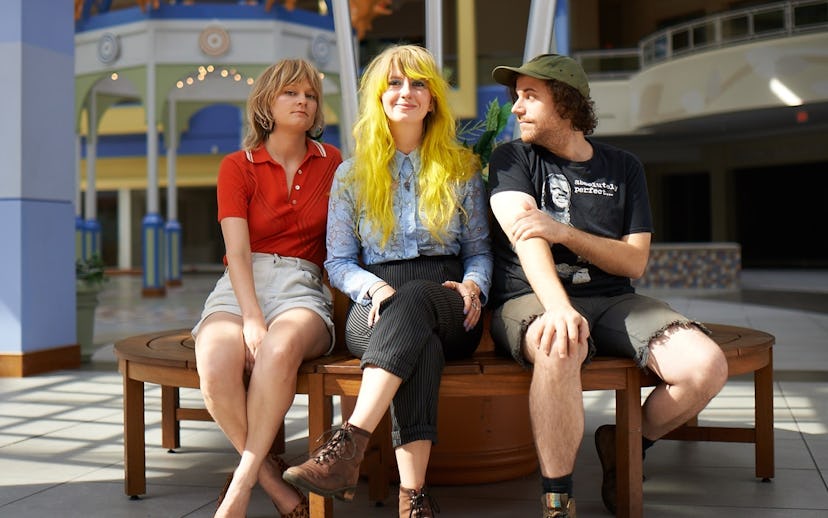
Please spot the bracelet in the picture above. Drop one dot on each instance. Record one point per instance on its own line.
(381, 286)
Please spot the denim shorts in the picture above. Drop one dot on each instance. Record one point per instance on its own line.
(621, 326)
(282, 284)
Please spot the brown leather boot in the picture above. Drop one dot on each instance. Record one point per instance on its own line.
(557, 505)
(417, 503)
(334, 468)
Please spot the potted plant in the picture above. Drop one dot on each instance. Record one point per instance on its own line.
(481, 136)
(89, 280)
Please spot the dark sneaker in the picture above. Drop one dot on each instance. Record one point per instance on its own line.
(605, 446)
(556, 505)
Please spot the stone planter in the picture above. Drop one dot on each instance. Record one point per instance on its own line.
(87, 301)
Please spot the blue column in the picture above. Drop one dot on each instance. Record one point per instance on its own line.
(561, 27)
(91, 238)
(79, 238)
(152, 240)
(173, 239)
(37, 188)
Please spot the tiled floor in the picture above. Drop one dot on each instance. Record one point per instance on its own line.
(61, 449)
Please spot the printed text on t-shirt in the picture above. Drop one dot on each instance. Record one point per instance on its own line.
(602, 188)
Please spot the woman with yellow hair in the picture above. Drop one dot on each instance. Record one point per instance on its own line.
(408, 241)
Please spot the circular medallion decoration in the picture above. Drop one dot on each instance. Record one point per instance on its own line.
(109, 48)
(214, 41)
(320, 49)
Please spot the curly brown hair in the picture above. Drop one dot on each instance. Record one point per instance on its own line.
(571, 105)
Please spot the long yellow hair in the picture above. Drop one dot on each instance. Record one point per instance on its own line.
(445, 162)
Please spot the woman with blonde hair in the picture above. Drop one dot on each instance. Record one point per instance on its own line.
(408, 241)
(270, 310)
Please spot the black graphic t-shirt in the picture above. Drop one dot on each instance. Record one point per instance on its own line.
(607, 197)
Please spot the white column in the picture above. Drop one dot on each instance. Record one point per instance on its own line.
(153, 224)
(434, 30)
(91, 227)
(347, 74)
(78, 153)
(91, 207)
(539, 31)
(152, 142)
(124, 229)
(172, 229)
(78, 200)
(172, 150)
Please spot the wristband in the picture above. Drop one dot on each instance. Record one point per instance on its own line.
(381, 286)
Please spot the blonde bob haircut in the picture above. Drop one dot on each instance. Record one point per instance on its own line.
(270, 84)
(444, 161)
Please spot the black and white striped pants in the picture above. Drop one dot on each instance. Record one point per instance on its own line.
(421, 327)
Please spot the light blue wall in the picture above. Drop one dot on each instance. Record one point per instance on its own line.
(37, 282)
(10, 26)
(11, 284)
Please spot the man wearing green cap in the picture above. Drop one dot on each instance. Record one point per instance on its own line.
(561, 288)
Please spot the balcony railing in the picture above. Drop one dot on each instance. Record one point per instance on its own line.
(780, 19)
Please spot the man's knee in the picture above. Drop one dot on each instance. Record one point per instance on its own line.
(714, 369)
(553, 363)
(695, 360)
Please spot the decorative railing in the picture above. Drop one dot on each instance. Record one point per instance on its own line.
(780, 19)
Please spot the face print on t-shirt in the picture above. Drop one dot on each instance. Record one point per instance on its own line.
(556, 197)
(556, 200)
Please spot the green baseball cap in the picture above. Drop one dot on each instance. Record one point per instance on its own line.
(546, 66)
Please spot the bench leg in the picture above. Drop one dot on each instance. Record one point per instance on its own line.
(135, 462)
(170, 425)
(629, 471)
(380, 462)
(763, 403)
(761, 434)
(320, 419)
(278, 446)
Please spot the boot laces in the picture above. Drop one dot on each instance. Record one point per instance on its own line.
(340, 445)
(420, 501)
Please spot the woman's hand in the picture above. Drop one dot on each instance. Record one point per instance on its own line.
(379, 292)
(472, 306)
(253, 332)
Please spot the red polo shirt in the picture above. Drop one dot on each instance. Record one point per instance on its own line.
(251, 185)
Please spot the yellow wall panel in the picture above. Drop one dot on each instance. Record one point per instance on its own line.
(131, 172)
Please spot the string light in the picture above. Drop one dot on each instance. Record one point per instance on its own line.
(205, 72)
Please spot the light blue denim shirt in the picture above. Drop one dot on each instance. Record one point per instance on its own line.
(351, 241)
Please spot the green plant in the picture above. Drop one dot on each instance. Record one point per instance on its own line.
(481, 136)
(90, 271)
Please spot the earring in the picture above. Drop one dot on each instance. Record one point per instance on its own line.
(266, 124)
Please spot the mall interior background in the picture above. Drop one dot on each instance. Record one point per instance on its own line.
(755, 177)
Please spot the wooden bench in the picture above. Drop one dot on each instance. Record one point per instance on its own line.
(168, 359)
